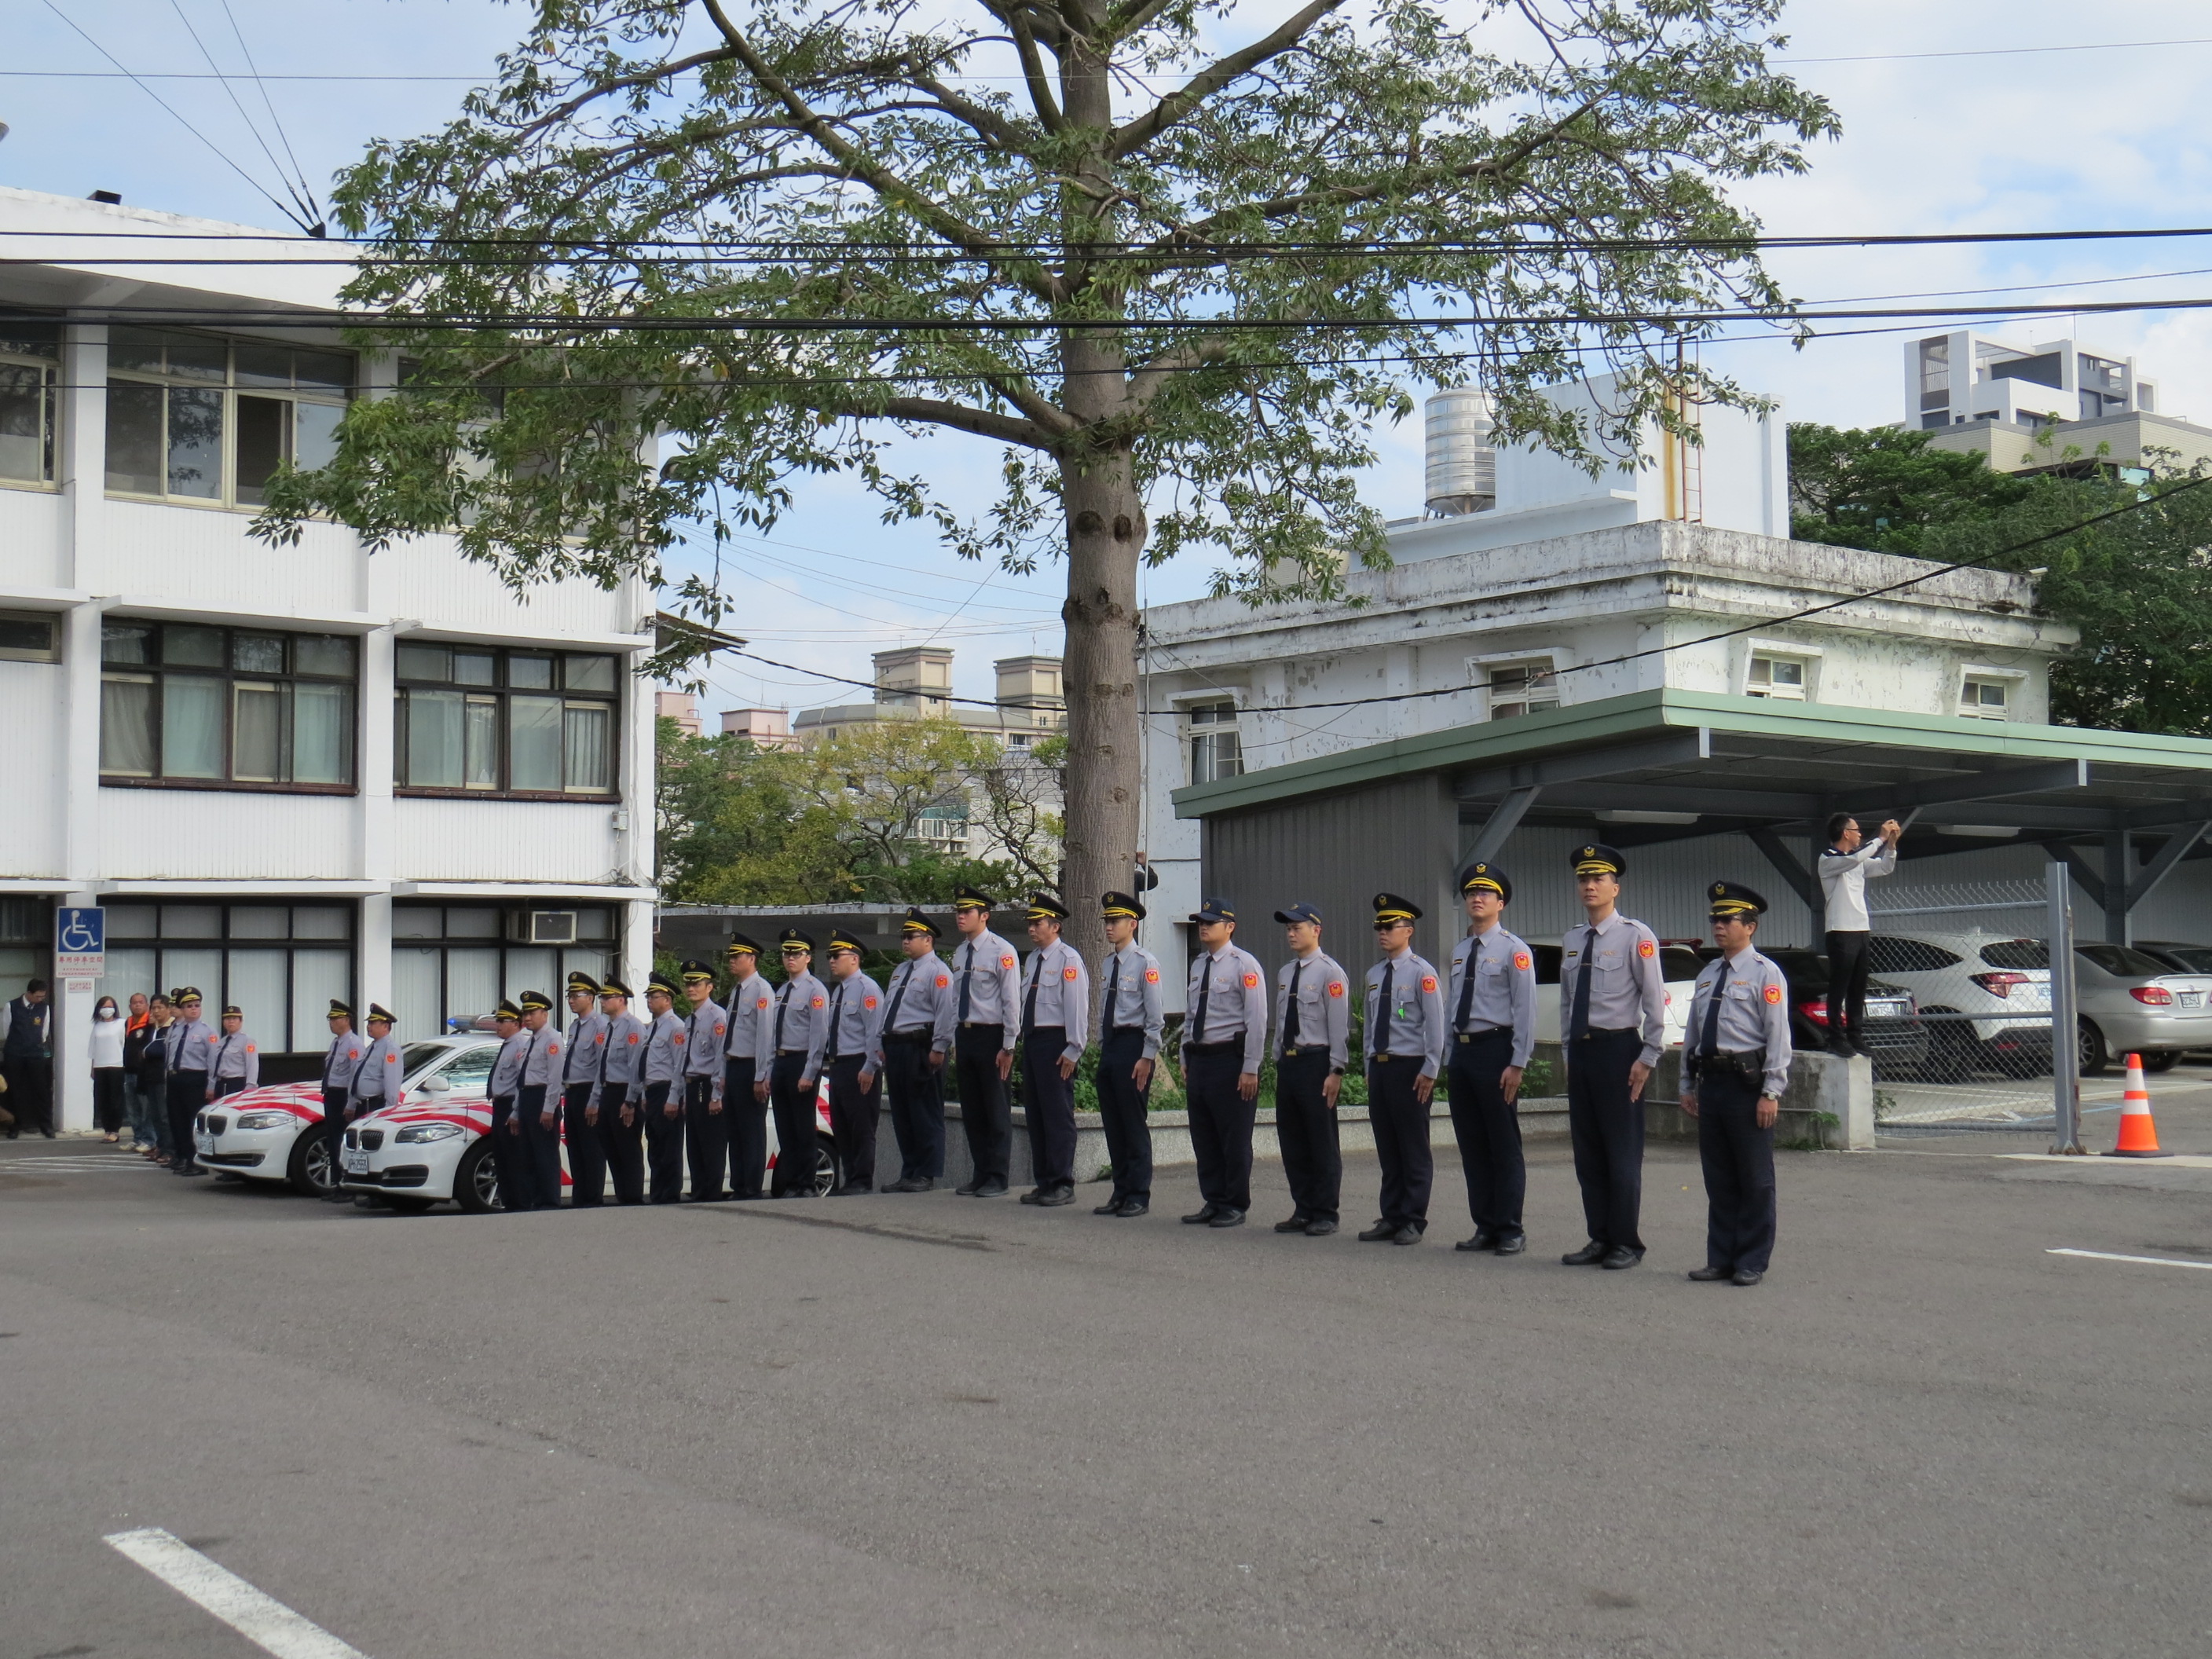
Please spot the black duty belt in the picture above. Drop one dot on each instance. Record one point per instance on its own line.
(1226, 1045)
(920, 1034)
(1610, 1030)
(982, 1025)
(1125, 1030)
(1486, 1031)
(1300, 1050)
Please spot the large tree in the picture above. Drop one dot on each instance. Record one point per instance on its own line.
(1173, 261)
(1885, 488)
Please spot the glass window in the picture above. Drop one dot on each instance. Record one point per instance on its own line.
(260, 922)
(1984, 699)
(462, 922)
(501, 738)
(222, 708)
(416, 993)
(283, 991)
(321, 921)
(182, 422)
(264, 444)
(133, 922)
(472, 1068)
(1215, 751)
(30, 636)
(473, 981)
(258, 982)
(1776, 677)
(27, 422)
(191, 921)
(1522, 688)
(318, 977)
(134, 437)
(413, 922)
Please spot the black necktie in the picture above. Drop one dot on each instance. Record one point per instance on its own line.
(898, 995)
(1380, 1039)
(1029, 1002)
(1198, 1018)
(782, 1005)
(1113, 989)
(606, 1047)
(1578, 1018)
(836, 1002)
(1467, 985)
(1708, 1042)
(1291, 1024)
(969, 969)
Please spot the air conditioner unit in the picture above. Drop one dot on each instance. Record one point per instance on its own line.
(552, 927)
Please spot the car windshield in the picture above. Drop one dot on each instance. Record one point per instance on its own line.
(417, 1056)
(2120, 962)
(2021, 953)
(473, 1067)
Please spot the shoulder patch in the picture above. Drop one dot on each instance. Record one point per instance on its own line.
(944, 979)
(1069, 972)
(1520, 961)
(633, 1039)
(677, 1038)
(1647, 950)
(1428, 983)
(391, 1060)
(867, 1002)
(822, 1002)
(1152, 977)
(1336, 988)
(249, 1048)
(719, 1028)
(1774, 994)
(1251, 980)
(1007, 960)
(762, 1003)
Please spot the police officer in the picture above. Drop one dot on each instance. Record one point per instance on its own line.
(191, 1051)
(1055, 1030)
(617, 1111)
(1405, 1051)
(1129, 1026)
(1224, 1037)
(662, 1074)
(1735, 1064)
(376, 1080)
(340, 1062)
(705, 1032)
(745, 1057)
(514, 1045)
(1313, 1027)
(798, 1028)
(1493, 998)
(920, 1021)
(236, 1065)
(538, 1103)
(987, 985)
(1613, 1022)
(582, 1067)
(851, 1059)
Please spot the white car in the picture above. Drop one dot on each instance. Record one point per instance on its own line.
(1678, 966)
(274, 1134)
(433, 1145)
(1995, 988)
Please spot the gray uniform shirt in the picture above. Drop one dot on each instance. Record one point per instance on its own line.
(588, 1041)
(236, 1055)
(378, 1076)
(921, 989)
(1062, 987)
(853, 1022)
(706, 1029)
(1755, 1001)
(751, 1009)
(801, 1021)
(344, 1060)
(623, 1056)
(1132, 996)
(192, 1044)
(1412, 1025)
(1842, 881)
(1626, 989)
(1323, 999)
(663, 1050)
(985, 969)
(543, 1067)
(506, 1069)
(1235, 1004)
(1504, 970)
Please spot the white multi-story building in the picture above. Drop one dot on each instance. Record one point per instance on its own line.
(287, 773)
(1967, 375)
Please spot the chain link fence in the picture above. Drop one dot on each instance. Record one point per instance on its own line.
(1995, 1047)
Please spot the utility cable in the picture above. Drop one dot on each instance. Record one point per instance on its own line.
(306, 213)
(314, 208)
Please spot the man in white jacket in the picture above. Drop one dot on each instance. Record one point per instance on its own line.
(1845, 869)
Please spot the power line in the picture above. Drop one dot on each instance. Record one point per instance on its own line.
(1999, 51)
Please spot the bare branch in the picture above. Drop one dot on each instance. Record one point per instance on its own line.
(561, 112)
(1135, 135)
(1145, 382)
(984, 422)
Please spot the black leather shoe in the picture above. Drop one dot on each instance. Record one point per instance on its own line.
(1132, 1207)
(1199, 1217)
(1620, 1256)
(1227, 1219)
(1320, 1227)
(1408, 1234)
(1297, 1224)
(1034, 1195)
(1111, 1207)
(1708, 1275)
(992, 1189)
(1512, 1246)
(1055, 1196)
(1589, 1256)
(904, 1184)
(1484, 1239)
(853, 1189)
(1381, 1233)
(1747, 1276)
(968, 1190)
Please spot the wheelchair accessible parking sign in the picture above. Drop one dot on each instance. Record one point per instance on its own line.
(80, 943)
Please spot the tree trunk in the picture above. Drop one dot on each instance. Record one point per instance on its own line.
(1105, 535)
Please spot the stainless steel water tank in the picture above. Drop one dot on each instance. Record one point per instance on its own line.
(1462, 467)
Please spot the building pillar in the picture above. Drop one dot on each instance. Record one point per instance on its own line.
(376, 851)
(72, 998)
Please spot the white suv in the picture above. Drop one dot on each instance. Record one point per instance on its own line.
(1994, 989)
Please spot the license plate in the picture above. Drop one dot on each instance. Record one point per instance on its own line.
(356, 1163)
(204, 1145)
(2192, 999)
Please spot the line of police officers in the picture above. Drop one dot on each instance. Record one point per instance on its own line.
(644, 1097)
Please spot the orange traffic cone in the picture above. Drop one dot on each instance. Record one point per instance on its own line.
(2138, 1134)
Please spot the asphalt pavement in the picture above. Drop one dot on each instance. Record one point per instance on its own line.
(941, 1426)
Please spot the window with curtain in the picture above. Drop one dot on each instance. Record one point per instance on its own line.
(187, 703)
(280, 962)
(480, 720)
(201, 417)
(30, 370)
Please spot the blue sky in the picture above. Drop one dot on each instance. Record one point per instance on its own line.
(2014, 140)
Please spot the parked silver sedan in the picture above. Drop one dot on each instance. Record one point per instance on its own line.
(2130, 1002)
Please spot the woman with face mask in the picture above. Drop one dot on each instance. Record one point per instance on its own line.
(107, 1034)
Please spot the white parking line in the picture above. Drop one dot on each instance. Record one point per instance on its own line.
(2155, 1260)
(261, 1620)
